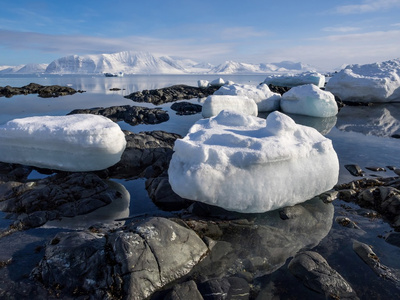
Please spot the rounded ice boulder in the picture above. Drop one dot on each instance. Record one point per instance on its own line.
(251, 165)
(309, 100)
(74, 143)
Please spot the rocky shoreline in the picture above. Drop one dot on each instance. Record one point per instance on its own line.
(50, 91)
(341, 244)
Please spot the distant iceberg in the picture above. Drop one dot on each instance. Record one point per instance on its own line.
(291, 80)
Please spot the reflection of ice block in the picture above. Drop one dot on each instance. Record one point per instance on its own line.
(248, 164)
(69, 143)
(214, 104)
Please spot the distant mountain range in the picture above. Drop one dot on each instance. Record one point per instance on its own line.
(130, 62)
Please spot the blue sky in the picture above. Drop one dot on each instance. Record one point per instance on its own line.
(326, 34)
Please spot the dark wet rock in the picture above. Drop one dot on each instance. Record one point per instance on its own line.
(329, 196)
(371, 259)
(161, 193)
(13, 172)
(376, 169)
(34, 203)
(187, 290)
(132, 115)
(393, 238)
(395, 136)
(316, 274)
(186, 108)
(278, 89)
(147, 154)
(34, 88)
(355, 170)
(171, 94)
(130, 263)
(346, 222)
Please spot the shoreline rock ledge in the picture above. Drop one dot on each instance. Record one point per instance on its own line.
(51, 91)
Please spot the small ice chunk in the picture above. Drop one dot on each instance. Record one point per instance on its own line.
(251, 165)
(203, 83)
(291, 80)
(377, 82)
(261, 94)
(217, 82)
(214, 104)
(74, 143)
(309, 100)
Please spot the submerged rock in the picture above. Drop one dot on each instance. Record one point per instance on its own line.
(186, 108)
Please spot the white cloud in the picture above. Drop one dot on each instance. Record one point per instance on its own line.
(340, 29)
(367, 6)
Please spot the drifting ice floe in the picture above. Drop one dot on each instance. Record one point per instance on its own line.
(261, 94)
(309, 100)
(377, 82)
(70, 143)
(214, 104)
(291, 80)
(248, 164)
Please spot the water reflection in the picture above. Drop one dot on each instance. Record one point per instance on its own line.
(377, 119)
(116, 210)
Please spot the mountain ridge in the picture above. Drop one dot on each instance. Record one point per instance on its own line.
(130, 62)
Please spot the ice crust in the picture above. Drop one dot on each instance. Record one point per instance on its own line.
(261, 95)
(309, 100)
(291, 80)
(377, 82)
(76, 143)
(214, 104)
(247, 164)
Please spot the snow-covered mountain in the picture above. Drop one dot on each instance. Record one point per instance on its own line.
(130, 62)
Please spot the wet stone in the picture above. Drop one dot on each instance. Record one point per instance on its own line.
(355, 170)
(186, 108)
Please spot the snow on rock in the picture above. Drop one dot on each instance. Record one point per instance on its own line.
(309, 100)
(217, 82)
(248, 164)
(70, 143)
(377, 82)
(291, 80)
(214, 104)
(261, 95)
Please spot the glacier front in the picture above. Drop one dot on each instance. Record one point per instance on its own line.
(69, 143)
(251, 165)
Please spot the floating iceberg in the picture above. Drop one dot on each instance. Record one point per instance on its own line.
(217, 82)
(251, 165)
(261, 94)
(203, 83)
(309, 100)
(291, 80)
(214, 104)
(70, 143)
(378, 82)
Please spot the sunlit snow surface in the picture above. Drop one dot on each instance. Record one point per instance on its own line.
(248, 164)
(68, 143)
(377, 82)
(291, 80)
(260, 94)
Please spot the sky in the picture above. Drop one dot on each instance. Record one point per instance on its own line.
(324, 34)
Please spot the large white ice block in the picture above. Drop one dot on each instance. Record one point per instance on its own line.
(377, 82)
(251, 165)
(76, 143)
(260, 94)
(214, 104)
(309, 100)
(291, 80)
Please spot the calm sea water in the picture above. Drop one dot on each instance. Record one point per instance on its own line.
(351, 147)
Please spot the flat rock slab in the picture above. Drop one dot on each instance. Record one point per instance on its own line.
(133, 115)
(50, 91)
(171, 94)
